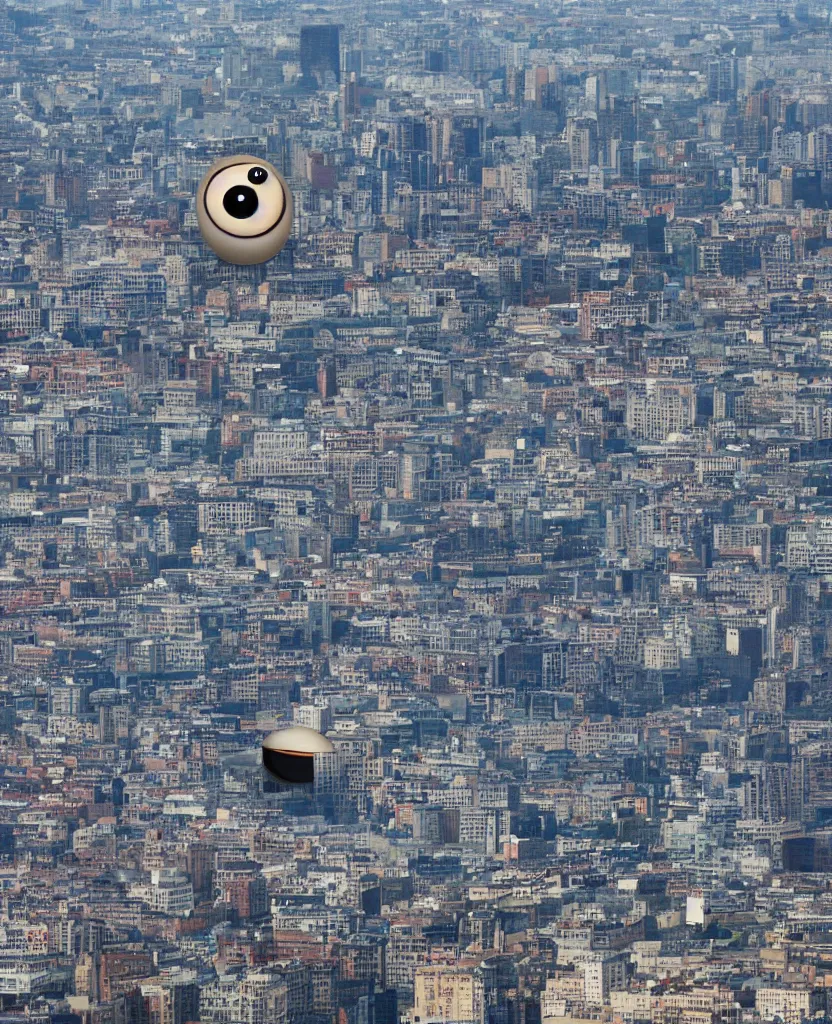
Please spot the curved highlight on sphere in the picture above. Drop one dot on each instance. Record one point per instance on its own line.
(244, 210)
(289, 754)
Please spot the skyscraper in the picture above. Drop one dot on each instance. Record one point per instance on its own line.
(320, 61)
(722, 79)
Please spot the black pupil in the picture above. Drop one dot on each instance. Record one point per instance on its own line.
(240, 202)
(257, 175)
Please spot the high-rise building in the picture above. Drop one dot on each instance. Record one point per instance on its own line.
(350, 99)
(232, 66)
(327, 382)
(722, 79)
(582, 140)
(320, 55)
(435, 61)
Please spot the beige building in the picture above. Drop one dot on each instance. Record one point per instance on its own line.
(701, 1004)
(792, 1005)
(447, 993)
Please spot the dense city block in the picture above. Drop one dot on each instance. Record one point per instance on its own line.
(510, 475)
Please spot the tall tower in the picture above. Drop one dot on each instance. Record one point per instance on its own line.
(320, 55)
(327, 380)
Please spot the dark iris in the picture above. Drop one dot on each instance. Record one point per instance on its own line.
(294, 769)
(240, 202)
(257, 175)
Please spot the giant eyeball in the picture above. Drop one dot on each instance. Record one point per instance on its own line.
(244, 210)
(289, 754)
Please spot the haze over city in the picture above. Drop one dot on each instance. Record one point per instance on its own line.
(509, 475)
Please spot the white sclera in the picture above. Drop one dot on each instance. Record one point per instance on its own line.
(244, 241)
(270, 202)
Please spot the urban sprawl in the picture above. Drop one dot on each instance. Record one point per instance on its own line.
(510, 474)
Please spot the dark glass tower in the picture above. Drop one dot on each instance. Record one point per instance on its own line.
(320, 62)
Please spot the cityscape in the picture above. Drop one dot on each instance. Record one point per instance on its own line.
(510, 474)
